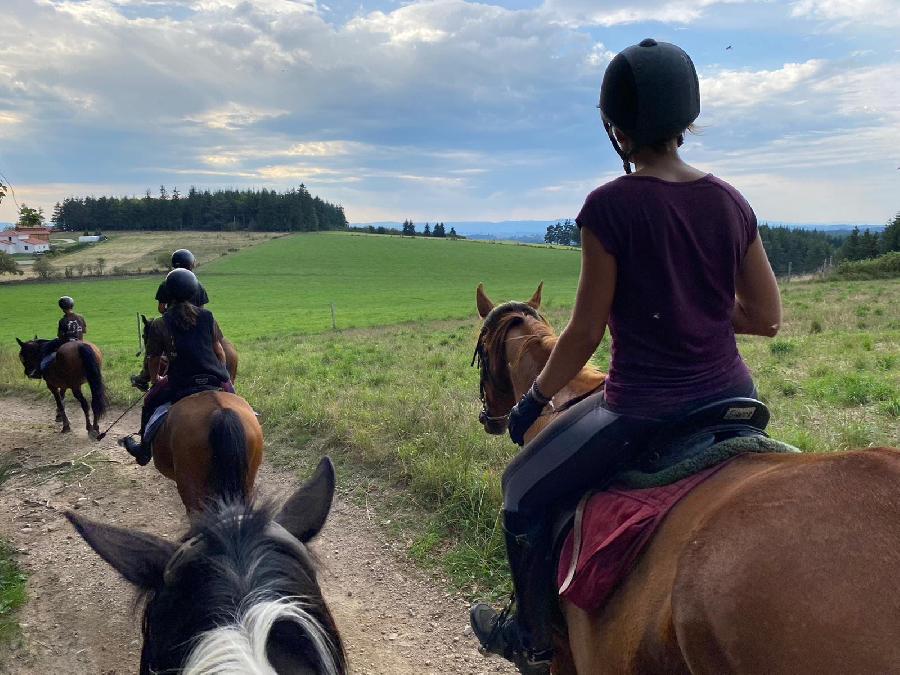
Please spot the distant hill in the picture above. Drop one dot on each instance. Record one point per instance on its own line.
(534, 230)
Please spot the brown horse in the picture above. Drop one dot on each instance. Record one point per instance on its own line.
(231, 355)
(211, 445)
(76, 363)
(779, 563)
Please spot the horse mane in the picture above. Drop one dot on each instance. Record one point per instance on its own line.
(242, 584)
(539, 343)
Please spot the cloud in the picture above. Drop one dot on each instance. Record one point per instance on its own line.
(234, 116)
(882, 13)
(607, 13)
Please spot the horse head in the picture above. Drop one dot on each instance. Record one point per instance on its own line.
(496, 389)
(30, 356)
(240, 561)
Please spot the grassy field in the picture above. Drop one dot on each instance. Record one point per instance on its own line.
(394, 398)
(140, 251)
(12, 593)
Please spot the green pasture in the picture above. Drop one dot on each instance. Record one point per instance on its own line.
(285, 287)
(395, 400)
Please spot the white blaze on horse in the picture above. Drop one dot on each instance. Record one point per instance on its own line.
(239, 593)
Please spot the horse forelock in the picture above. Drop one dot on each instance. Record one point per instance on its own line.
(240, 583)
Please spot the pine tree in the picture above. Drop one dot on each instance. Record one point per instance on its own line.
(439, 230)
(453, 234)
(427, 231)
(890, 238)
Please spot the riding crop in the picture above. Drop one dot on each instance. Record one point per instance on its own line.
(100, 437)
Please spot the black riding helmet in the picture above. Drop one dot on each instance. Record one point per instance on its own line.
(65, 302)
(181, 285)
(651, 92)
(183, 258)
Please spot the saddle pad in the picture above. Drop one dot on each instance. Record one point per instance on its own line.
(155, 422)
(610, 531)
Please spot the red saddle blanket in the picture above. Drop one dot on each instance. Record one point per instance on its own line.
(611, 529)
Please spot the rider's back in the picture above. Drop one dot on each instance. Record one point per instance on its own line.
(190, 350)
(678, 247)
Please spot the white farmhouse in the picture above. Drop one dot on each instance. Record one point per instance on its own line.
(25, 240)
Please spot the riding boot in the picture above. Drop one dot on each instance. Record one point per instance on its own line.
(523, 638)
(139, 449)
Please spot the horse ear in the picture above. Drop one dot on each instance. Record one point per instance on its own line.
(144, 319)
(139, 557)
(21, 344)
(305, 512)
(536, 298)
(483, 301)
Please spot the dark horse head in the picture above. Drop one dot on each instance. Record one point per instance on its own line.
(238, 593)
(30, 354)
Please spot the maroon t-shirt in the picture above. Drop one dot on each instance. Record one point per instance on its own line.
(678, 247)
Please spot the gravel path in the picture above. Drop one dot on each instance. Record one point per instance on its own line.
(80, 617)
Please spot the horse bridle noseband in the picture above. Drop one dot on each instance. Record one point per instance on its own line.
(481, 356)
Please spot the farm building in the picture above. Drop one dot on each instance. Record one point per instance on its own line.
(25, 240)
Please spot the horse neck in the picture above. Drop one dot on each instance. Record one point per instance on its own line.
(528, 347)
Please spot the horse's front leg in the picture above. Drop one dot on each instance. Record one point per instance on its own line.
(91, 429)
(58, 394)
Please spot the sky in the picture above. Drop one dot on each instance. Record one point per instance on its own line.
(441, 109)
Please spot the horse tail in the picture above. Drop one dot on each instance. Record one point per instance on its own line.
(91, 366)
(228, 469)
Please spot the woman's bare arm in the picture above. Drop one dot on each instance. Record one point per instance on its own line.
(577, 343)
(757, 305)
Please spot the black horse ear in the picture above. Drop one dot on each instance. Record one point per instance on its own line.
(139, 557)
(21, 344)
(144, 319)
(305, 512)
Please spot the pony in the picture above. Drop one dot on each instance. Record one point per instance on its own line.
(76, 362)
(211, 444)
(778, 563)
(231, 355)
(238, 593)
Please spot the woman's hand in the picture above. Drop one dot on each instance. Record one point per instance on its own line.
(525, 413)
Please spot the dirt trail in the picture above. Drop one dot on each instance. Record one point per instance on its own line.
(80, 615)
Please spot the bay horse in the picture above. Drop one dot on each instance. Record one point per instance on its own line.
(231, 355)
(211, 444)
(76, 362)
(778, 563)
(238, 593)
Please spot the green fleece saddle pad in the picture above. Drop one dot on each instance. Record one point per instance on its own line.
(690, 460)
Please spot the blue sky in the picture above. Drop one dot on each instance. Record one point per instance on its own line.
(441, 109)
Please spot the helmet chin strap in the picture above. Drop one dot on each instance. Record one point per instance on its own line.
(626, 164)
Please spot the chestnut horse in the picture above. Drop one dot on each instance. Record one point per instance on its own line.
(76, 362)
(231, 355)
(778, 563)
(211, 445)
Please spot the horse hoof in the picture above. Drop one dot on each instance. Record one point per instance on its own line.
(65, 430)
(92, 434)
(58, 417)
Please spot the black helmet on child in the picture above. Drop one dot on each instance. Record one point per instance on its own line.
(651, 92)
(65, 302)
(183, 258)
(181, 285)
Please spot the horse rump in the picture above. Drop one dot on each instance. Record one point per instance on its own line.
(91, 366)
(229, 467)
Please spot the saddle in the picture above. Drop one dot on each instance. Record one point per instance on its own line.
(686, 446)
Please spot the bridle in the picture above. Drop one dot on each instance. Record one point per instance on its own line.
(481, 356)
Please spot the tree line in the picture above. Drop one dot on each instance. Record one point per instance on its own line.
(408, 229)
(295, 210)
(789, 249)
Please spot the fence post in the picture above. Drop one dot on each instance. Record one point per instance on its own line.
(789, 272)
(333, 323)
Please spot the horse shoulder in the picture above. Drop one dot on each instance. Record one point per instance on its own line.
(794, 569)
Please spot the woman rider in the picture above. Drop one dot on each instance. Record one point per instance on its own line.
(190, 337)
(672, 262)
(72, 326)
